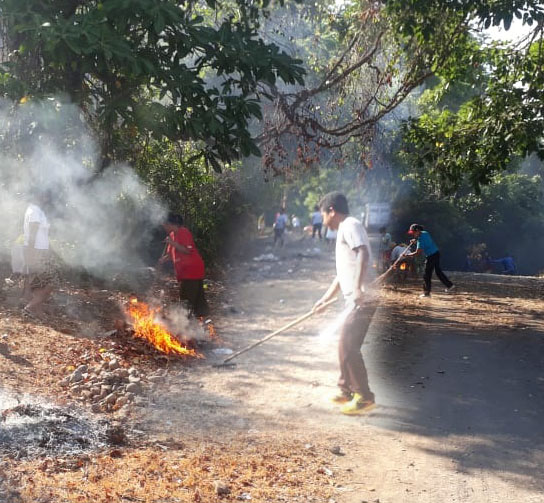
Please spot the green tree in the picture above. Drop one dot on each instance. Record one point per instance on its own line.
(153, 66)
(499, 116)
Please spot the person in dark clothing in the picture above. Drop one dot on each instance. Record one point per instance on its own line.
(426, 245)
(317, 222)
(188, 265)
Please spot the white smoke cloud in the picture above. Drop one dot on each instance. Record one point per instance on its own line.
(98, 222)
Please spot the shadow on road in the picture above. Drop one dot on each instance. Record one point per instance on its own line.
(481, 393)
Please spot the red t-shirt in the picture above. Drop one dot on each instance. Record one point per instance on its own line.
(187, 266)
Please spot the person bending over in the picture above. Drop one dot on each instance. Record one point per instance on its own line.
(426, 245)
(188, 265)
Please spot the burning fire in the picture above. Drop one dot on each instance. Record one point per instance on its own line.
(211, 329)
(146, 327)
(403, 266)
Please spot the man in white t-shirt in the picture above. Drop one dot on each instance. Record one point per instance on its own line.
(352, 260)
(41, 276)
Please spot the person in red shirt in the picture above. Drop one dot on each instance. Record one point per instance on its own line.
(188, 265)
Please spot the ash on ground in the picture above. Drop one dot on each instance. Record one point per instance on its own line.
(31, 429)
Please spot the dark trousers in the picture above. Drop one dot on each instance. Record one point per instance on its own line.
(316, 228)
(433, 263)
(191, 295)
(353, 375)
(278, 235)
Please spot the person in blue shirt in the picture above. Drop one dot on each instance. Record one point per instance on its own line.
(426, 245)
(508, 264)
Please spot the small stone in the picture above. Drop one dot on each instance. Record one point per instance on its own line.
(133, 371)
(65, 381)
(134, 379)
(105, 388)
(134, 388)
(130, 396)
(111, 398)
(113, 365)
(325, 471)
(337, 450)
(107, 377)
(95, 407)
(86, 394)
(82, 369)
(76, 376)
(221, 489)
(95, 390)
(122, 373)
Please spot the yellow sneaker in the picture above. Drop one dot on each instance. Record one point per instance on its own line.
(342, 397)
(357, 405)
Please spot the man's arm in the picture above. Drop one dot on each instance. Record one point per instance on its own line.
(179, 247)
(418, 251)
(361, 264)
(329, 294)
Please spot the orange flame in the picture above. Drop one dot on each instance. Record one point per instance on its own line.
(211, 330)
(146, 327)
(208, 323)
(403, 266)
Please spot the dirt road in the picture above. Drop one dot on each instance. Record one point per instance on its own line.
(458, 381)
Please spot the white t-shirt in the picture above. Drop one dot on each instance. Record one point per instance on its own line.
(351, 235)
(330, 234)
(34, 214)
(317, 218)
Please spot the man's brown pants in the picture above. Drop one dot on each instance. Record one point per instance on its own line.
(353, 375)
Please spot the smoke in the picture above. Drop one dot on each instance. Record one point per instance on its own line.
(331, 329)
(99, 222)
(176, 319)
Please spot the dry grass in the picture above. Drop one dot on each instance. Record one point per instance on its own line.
(263, 470)
(504, 306)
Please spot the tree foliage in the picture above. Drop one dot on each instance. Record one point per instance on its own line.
(507, 215)
(373, 66)
(502, 118)
(154, 66)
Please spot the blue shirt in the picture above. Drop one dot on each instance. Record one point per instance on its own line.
(426, 243)
(507, 263)
(281, 221)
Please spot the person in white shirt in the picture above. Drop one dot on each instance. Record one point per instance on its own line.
(295, 222)
(317, 222)
(330, 237)
(41, 273)
(352, 260)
